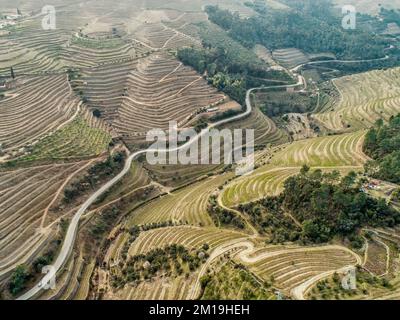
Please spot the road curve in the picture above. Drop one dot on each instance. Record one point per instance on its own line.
(73, 226)
(69, 240)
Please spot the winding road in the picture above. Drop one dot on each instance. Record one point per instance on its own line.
(69, 240)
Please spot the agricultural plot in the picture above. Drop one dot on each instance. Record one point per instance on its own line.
(263, 182)
(86, 52)
(26, 196)
(287, 269)
(159, 36)
(376, 257)
(178, 288)
(31, 50)
(49, 103)
(328, 151)
(364, 98)
(76, 140)
(104, 86)
(161, 90)
(136, 178)
(266, 133)
(190, 237)
(187, 205)
(290, 57)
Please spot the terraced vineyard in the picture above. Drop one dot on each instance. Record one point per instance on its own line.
(26, 197)
(180, 206)
(364, 98)
(75, 140)
(288, 269)
(329, 151)
(187, 236)
(263, 182)
(77, 102)
(50, 104)
(161, 90)
(161, 289)
(290, 57)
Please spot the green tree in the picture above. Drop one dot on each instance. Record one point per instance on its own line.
(19, 279)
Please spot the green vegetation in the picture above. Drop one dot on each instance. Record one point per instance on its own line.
(270, 219)
(332, 289)
(224, 217)
(382, 143)
(234, 282)
(173, 260)
(19, 279)
(75, 140)
(97, 43)
(229, 66)
(276, 103)
(324, 205)
(96, 174)
(310, 26)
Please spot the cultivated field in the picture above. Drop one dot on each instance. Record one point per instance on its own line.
(364, 98)
(263, 182)
(187, 205)
(290, 57)
(191, 237)
(27, 196)
(50, 104)
(96, 85)
(329, 151)
(159, 91)
(291, 268)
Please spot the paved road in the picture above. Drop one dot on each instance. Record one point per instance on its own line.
(69, 240)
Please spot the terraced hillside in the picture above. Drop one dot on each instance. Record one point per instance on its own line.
(50, 104)
(75, 108)
(364, 98)
(78, 139)
(184, 235)
(161, 90)
(187, 205)
(292, 269)
(26, 196)
(329, 151)
(263, 182)
(290, 57)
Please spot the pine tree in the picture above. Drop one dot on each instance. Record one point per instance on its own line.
(12, 73)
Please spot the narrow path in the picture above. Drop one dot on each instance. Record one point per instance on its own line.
(250, 226)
